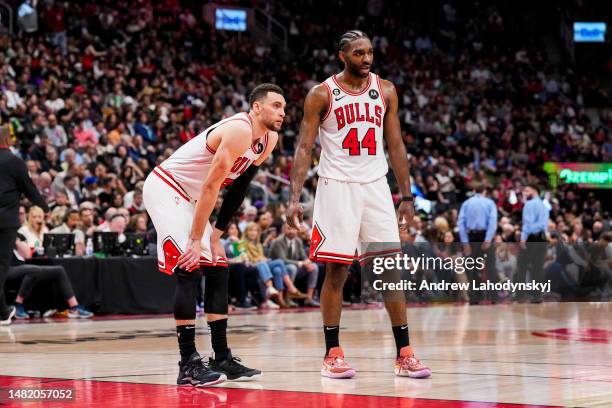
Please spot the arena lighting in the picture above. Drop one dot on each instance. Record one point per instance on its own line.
(589, 32)
(585, 175)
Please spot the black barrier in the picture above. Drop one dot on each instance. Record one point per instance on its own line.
(119, 285)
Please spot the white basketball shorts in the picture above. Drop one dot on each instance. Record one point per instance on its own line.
(348, 216)
(172, 212)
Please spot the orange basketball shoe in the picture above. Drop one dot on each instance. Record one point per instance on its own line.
(334, 365)
(407, 365)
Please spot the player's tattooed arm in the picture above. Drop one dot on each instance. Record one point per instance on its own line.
(397, 152)
(314, 107)
(393, 136)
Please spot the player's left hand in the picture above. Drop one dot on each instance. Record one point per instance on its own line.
(405, 215)
(295, 215)
(216, 248)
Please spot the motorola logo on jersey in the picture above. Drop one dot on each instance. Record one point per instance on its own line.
(336, 92)
(358, 112)
(259, 148)
(373, 94)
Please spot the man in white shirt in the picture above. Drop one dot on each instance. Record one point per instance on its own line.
(13, 100)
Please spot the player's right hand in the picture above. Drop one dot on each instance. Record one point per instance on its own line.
(216, 247)
(295, 214)
(191, 257)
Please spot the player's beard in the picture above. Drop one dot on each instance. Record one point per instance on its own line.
(272, 126)
(353, 69)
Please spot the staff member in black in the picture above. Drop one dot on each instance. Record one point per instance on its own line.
(14, 180)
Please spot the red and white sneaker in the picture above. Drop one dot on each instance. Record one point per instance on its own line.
(407, 365)
(334, 365)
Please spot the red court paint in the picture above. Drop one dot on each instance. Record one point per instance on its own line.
(584, 335)
(90, 393)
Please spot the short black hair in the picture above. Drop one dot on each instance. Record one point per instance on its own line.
(535, 186)
(69, 213)
(349, 37)
(261, 91)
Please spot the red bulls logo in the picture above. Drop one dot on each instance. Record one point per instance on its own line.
(358, 112)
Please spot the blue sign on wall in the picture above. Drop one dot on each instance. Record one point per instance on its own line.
(230, 19)
(589, 32)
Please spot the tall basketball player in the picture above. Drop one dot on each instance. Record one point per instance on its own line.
(351, 112)
(180, 195)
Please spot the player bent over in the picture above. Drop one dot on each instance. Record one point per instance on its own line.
(180, 195)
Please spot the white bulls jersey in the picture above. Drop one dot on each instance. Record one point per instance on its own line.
(189, 165)
(351, 133)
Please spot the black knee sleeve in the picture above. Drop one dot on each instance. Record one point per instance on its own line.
(186, 294)
(215, 289)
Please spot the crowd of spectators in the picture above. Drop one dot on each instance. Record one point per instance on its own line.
(98, 93)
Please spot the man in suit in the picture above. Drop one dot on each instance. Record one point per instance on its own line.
(290, 249)
(14, 181)
(72, 191)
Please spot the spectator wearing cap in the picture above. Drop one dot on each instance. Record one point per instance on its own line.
(477, 225)
(90, 190)
(533, 238)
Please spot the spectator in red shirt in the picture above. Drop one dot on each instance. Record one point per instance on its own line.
(85, 137)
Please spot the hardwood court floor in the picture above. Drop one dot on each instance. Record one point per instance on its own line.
(556, 354)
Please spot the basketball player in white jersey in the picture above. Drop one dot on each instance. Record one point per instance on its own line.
(180, 195)
(352, 112)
